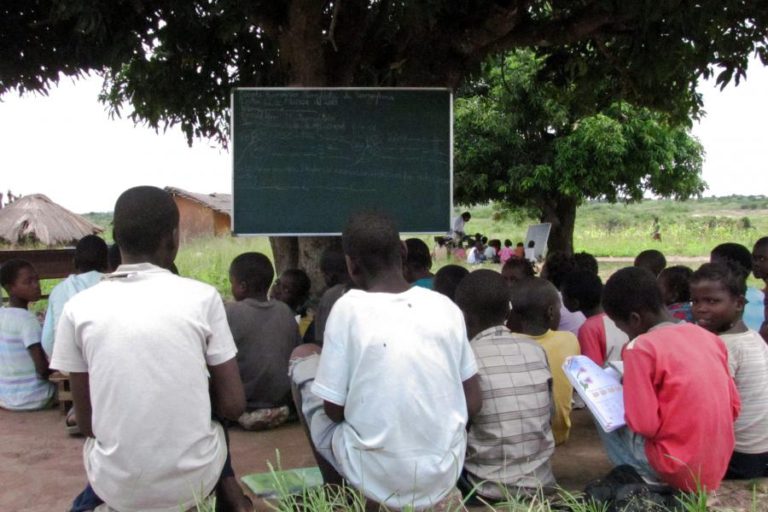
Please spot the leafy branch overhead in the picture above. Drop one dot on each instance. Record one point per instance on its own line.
(173, 62)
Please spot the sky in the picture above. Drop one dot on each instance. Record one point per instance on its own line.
(66, 146)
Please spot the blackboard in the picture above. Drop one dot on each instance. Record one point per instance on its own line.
(305, 159)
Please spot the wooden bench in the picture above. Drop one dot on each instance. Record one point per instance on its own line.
(63, 391)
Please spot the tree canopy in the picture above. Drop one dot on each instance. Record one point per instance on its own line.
(529, 143)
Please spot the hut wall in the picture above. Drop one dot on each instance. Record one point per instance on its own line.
(222, 224)
(195, 220)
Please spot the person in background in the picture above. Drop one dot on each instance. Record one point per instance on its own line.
(418, 263)
(556, 267)
(506, 456)
(599, 338)
(292, 287)
(333, 265)
(491, 251)
(651, 260)
(516, 269)
(24, 369)
(459, 228)
(535, 315)
(585, 261)
(440, 250)
(90, 265)
(448, 278)
(520, 250)
(265, 333)
(740, 257)
(506, 252)
(676, 292)
(387, 399)
(760, 271)
(718, 303)
(476, 255)
(680, 401)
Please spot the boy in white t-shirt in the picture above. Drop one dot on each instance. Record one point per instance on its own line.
(151, 362)
(396, 381)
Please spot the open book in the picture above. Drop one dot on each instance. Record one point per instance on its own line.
(600, 389)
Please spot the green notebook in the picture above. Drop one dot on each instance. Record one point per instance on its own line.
(270, 484)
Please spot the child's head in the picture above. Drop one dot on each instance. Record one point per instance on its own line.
(632, 299)
(466, 216)
(372, 246)
(760, 259)
(448, 278)
(91, 253)
(484, 299)
(484, 239)
(516, 269)
(557, 266)
(531, 244)
(507, 243)
(585, 261)
(250, 275)
(535, 306)
(292, 287)
(20, 280)
(333, 265)
(733, 254)
(496, 244)
(651, 260)
(521, 245)
(673, 283)
(717, 296)
(146, 222)
(417, 260)
(582, 291)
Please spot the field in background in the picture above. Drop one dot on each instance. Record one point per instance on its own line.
(688, 229)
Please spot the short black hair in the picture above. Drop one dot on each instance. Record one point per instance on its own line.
(466, 216)
(525, 265)
(530, 298)
(761, 242)
(144, 216)
(734, 253)
(334, 265)
(631, 290)
(254, 269)
(585, 261)
(114, 257)
(677, 278)
(507, 243)
(723, 273)
(300, 280)
(10, 271)
(447, 279)
(584, 286)
(485, 295)
(91, 253)
(372, 240)
(557, 266)
(418, 256)
(651, 260)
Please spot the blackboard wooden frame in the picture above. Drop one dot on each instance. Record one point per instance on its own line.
(420, 117)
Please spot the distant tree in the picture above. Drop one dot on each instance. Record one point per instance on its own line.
(172, 62)
(532, 144)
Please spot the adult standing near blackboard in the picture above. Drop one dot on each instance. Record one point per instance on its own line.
(458, 227)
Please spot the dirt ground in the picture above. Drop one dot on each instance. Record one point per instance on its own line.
(41, 467)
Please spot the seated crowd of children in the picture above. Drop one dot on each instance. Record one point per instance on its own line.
(410, 383)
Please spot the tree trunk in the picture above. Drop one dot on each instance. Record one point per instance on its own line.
(561, 212)
(285, 252)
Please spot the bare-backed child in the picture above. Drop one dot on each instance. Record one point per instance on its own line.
(265, 333)
(676, 291)
(387, 401)
(599, 338)
(680, 401)
(535, 315)
(718, 304)
(24, 369)
(506, 456)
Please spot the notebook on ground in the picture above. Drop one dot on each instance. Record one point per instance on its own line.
(274, 483)
(601, 390)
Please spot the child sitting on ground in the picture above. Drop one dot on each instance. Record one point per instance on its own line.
(535, 315)
(516, 269)
(675, 291)
(24, 369)
(718, 303)
(679, 399)
(337, 283)
(292, 288)
(741, 260)
(506, 252)
(476, 255)
(556, 267)
(760, 271)
(505, 456)
(265, 333)
(448, 278)
(386, 403)
(599, 338)
(651, 260)
(418, 263)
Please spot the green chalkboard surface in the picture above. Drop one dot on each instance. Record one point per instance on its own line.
(305, 159)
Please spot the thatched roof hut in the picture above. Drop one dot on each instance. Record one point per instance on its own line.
(36, 219)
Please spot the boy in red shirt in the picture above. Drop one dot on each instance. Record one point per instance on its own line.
(680, 401)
